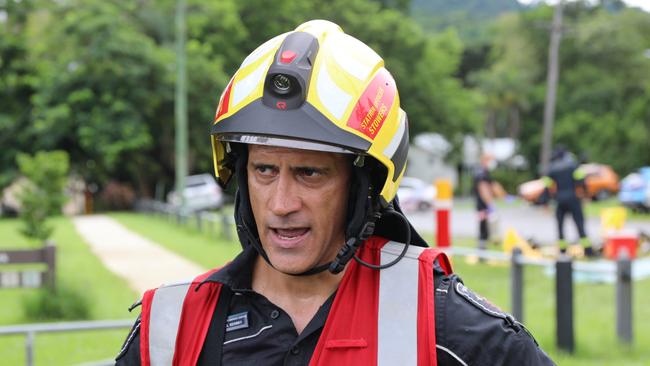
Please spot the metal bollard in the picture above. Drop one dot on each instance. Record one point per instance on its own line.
(517, 285)
(49, 255)
(210, 224)
(564, 304)
(29, 348)
(624, 298)
(199, 221)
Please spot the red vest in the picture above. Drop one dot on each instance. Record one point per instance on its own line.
(371, 321)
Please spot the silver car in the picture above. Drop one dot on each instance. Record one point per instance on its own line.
(201, 193)
(415, 194)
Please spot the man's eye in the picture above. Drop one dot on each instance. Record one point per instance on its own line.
(309, 172)
(264, 169)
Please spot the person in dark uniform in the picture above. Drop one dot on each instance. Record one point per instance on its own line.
(482, 189)
(567, 179)
(331, 271)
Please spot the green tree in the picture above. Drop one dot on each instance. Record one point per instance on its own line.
(100, 82)
(16, 76)
(602, 109)
(509, 81)
(43, 194)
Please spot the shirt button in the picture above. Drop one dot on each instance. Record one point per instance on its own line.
(275, 314)
(295, 350)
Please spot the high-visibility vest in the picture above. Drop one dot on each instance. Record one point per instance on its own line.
(372, 320)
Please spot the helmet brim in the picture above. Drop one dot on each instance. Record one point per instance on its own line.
(303, 128)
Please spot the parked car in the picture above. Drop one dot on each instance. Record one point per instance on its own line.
(601, 182)
(201, 193)
(635, 190)
(416, 194)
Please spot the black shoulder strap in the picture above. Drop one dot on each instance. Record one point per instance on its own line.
(213, 344)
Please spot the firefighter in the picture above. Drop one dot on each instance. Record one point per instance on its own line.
(565, 175)
(331, 272)
(482, 189)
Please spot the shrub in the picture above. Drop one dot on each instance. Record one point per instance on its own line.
(117, 196)
(62, 303)
(43, 195)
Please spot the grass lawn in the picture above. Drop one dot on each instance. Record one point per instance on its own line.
(594, 312)
(77, 268)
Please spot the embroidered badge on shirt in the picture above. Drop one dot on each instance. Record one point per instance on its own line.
(480, 302)
(237, 321)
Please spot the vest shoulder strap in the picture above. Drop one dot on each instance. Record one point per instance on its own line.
(161, 314)
(164, 319)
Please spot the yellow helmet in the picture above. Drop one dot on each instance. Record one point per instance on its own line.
(315, 88)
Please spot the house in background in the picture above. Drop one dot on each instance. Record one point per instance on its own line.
(426, 159)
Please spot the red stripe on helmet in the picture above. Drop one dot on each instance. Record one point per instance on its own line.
(223, 103)
(373, 106)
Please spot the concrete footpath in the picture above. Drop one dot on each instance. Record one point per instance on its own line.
(143, 263)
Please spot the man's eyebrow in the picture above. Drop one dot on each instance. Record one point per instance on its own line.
(310, 167)
(261, 165)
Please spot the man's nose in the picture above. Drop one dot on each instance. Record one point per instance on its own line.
(285, 199)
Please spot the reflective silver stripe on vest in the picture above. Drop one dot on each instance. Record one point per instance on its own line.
(397, 332)
(166, 309)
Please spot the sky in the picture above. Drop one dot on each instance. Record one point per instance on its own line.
(643, 4)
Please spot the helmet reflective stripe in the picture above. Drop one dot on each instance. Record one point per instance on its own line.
(401, 139)
(397, 137)
(166, 308)
(354, 57)
(397, 328)
(330, 95)
(263, 50)
(248, 84)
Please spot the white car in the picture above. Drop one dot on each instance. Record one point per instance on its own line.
(416, 194)
(201, 193)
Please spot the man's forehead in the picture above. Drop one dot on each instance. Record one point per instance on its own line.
(282, 150)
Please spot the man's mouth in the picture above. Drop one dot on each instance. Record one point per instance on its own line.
(289, 238)
(290, 234)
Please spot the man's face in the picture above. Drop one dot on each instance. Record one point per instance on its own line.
(299, 200)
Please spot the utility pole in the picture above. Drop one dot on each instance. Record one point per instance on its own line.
(180, 103)
(551, 87)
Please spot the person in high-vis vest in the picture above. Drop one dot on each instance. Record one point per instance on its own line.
(565, 176)
(331, 272)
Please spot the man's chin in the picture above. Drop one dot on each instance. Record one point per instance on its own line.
(290, 266)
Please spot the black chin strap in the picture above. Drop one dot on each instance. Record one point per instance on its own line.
(407, 242)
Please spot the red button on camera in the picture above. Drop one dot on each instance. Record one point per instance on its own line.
(287, 56)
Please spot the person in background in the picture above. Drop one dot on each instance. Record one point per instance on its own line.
(331, 271)
(483, 194)
(563, 182)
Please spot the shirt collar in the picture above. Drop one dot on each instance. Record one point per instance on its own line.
(238, 274)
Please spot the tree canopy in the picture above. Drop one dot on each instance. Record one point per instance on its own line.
(95, 78)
